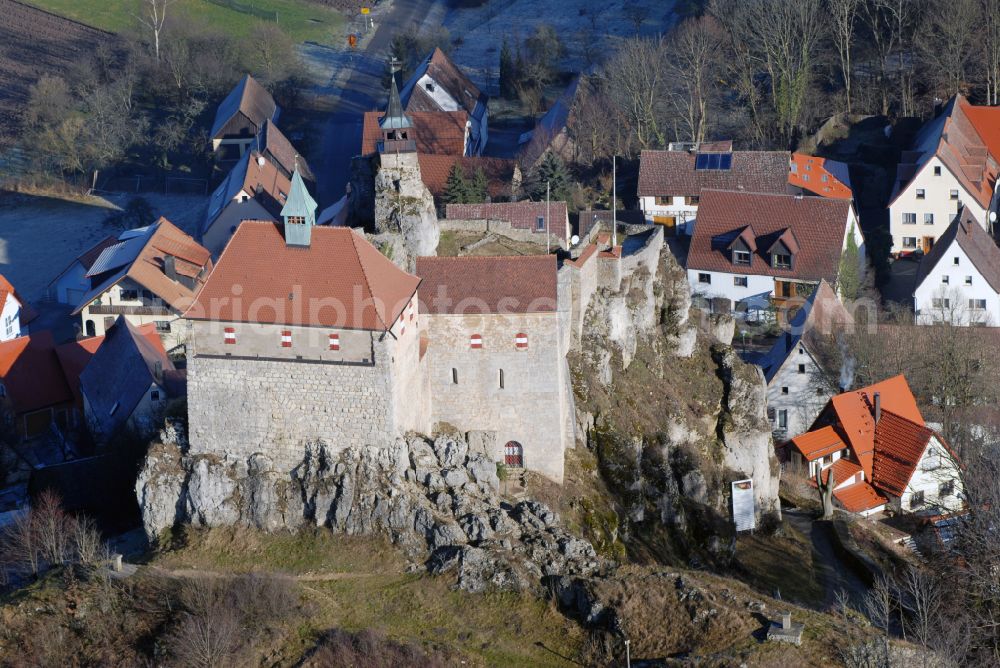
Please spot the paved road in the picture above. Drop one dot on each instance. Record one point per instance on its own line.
(362, 91)
(834, 574)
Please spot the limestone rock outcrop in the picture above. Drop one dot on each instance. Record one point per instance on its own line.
(405, 207)
(435, 499)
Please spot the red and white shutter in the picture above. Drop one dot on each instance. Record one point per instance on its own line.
(476, 342)
(335, 342)
(402, 330)
(229, 335)
(521, 341)
(286, 338)
(410, 310)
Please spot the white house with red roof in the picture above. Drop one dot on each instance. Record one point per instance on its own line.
(950, 166)
(15, 313)
(761, 249)
(881, 454)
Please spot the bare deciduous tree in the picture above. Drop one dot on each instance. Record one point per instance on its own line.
(844, 16)
(153, 15)
(693, 74)
(634, 85)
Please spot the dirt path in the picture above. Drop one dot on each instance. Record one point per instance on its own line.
(833, 572)
(198, 573)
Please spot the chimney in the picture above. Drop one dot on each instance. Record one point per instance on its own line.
(786, 620)
(170, 266)
(878, 407)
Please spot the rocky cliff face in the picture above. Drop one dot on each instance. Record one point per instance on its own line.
(672, 413)
(436, 500)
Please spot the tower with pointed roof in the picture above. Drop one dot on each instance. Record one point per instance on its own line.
(396, 126)
(299, 213)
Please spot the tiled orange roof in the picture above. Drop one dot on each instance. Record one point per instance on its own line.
(511, 284)
(843, 470)
(859, 497)
(986, 120)
(435, 169)
(435, 132)
(73, 358)
(340, 280)
(818, 443)
(30, 372)
(521, 215)
(821, 176)
(900, 443)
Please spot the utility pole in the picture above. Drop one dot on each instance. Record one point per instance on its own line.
(628, 654)
(548, 213)
(614, 213)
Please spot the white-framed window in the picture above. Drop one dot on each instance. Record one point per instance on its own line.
(909, 242)
(162, 326)
(928, 219)
(740, 281)
(953, 194)
(937, 302)
(781, 260)
(977, 304)
(945, 279)
(741, 257)
(937, 170)
(909, 219)
(540, 223)
(783, 419)
(968, 280)
(921, 193)
(705, 278)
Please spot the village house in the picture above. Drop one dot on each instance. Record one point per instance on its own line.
(958, 282)
(951, 165)
(551, 133)
(757, 250)
(71, 285)
(532, 219)
(149, 275)
(433, 132)
(279, 151)
(240, 117)
(255, 189)
(15, 312)
(671, 182)
(438, 85)
(127, 381)
(39, 383)
(799, 384)
(881, 454)
(496, 360)
(820, 177)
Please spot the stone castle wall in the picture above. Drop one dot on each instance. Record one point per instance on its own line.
(503, 228)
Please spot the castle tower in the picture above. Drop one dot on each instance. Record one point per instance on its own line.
(396, 126)
(299, 213)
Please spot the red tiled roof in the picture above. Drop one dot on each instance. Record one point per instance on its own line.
(445, 74)
(858, 497)
(30, 372)
(520, 215)
(815, 224)
(843, 470)
(986, 121)
(818, 443)
(73, 358)
(900, 443)
(360, 287)
(436, 132)
(666, 173)
(826, 178)
(435, 169)
(471, 285)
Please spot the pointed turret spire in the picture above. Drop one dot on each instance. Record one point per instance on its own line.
(394, 118)
(299, 212)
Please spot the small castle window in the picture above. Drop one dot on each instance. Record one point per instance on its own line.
(454, 376)
(296, 220)
(540, 223)
(476, 342)
(802, 368)
(521, 341)
(230, 335)
(501, 379)
(286, 338)
(335, 342)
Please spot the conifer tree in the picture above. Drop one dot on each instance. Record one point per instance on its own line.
(456, 189)
(552, 170)
(479, 187)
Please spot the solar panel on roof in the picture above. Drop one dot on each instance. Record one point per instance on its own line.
(726, 161)
(701, 161)
(713, 161)
(119, 255)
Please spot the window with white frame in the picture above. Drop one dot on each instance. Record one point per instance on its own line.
(977, 304)
(968, 280)
(938, 302)
(953, 194)
(741, 257)
(909, 242)
(928, 219)
(740, 281)
(909, 219)
(921, 193)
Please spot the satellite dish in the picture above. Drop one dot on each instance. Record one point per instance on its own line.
(575, 239)
(993, 216)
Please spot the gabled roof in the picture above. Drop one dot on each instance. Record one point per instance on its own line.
(299, 202)
(823, 314)
(248, 98)
(747, 236)
(27, 313)
(338, 267)
(821, 176)
(256, 176)
(859, 497)
(673, 173)
(818, 443)
(75, 355)
(974, 241)
(30, 373)
(120, 373)
(550, 125)
(435, 169)
(437, 132)
(139, 255)
(446, 75)
(520, 215)
(900, 443)
(473, 285)
(843, 469)
(273, 143)
(816, 225)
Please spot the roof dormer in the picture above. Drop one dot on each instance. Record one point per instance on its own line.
(742, 247)
(781, 253)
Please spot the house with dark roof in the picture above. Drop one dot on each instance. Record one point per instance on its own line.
(799, 382)
(254, 189)
(671, 182)
(279, 151)
(15, 312)
(755, 251)
(495, 357)
(438, 85)
(880, 453)
(551, 133)
(949, 166)
(149, 275)
(435, 132)
(958, 281)
(533, 218)
(127, 381)
(821, 177)
(240, 117)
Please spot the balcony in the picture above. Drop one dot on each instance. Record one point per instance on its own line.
(107, 309)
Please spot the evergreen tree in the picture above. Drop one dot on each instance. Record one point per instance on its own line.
(507, 75)
(849, 275)
(456, 189)
(552, 170)
(479, 188)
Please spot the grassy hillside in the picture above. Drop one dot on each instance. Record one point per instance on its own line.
(301, 19)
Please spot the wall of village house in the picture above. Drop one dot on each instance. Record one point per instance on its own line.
(255, 396)
(937, 301)
(142, 418)
(531, 406)
(685, 213)
(929, 477)
(800, 394)
(10, 319)
(171, 327)
(224, 226)
(937, 201)
(722, 284)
